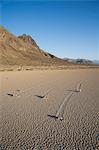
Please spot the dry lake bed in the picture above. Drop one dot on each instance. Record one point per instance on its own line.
(49, 110)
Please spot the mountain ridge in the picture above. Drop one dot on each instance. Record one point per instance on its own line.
(79, 61)
(23, 50)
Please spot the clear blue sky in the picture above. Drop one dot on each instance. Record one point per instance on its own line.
(63, 28)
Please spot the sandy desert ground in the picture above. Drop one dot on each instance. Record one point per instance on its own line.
(28, 119)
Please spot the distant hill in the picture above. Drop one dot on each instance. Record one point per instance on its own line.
(96, 61)
(79, 61)
(23, 51)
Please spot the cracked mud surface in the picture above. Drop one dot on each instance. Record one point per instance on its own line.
(25, 124)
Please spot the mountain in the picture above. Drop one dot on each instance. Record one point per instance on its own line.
(28, 39)
(79, 61)
(96, 62)
(24, 51)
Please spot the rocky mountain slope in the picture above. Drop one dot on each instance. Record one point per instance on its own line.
(23, 51)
